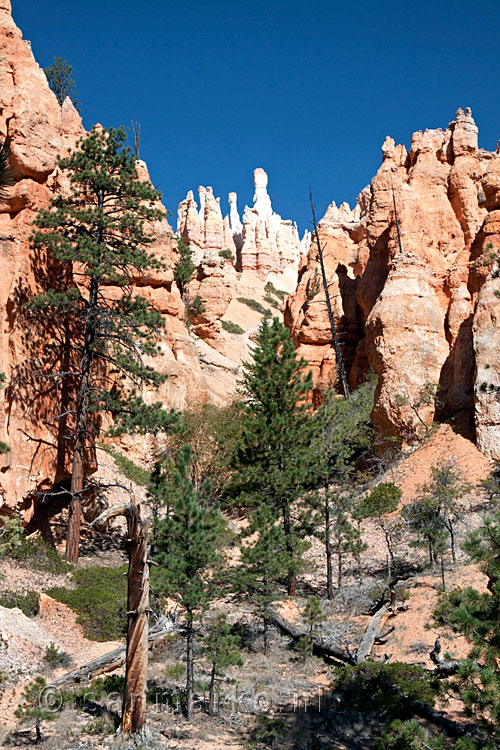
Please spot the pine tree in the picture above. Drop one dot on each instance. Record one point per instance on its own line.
(265, 563)
(382, 501)
(221, 649)
(98, 238)
(312, 615)
(187, 554)
(476, 615)
(59, 75)
(342, 431)
(273, 465)
(433, 515)
(185, 267)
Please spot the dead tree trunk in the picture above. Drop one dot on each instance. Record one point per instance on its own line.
(134, 693)
(112, 660)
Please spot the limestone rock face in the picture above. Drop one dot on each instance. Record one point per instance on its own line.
(487, 383)
(38, 129)
(405, 292)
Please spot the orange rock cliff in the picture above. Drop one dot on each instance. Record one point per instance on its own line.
(422, 312)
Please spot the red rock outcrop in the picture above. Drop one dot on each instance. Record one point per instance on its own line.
(37, 129)
(407, 309)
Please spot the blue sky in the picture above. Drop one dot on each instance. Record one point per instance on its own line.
(306, 90)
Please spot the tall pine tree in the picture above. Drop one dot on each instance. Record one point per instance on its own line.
(187, 554)
(273, 466)
(99, 236)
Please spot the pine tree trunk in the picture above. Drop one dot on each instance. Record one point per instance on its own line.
(77, 476)
(452, 540)
(211, 699)
(287, 529)
(189, 668)
(328, 549)
(82, 430)
(340, 561)
(335, 338)
(388, 543)
(266, 636)
(134, 696)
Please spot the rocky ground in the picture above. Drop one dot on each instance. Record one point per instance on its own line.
(279, 694)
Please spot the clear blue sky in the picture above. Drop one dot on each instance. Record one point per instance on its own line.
(306, 90)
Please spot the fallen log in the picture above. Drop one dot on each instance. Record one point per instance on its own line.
(112, 660)
(449, 727)
(322, 646)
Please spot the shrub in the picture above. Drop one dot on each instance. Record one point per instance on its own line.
(100, 725)
(232, 327)
(35, 553)
(254, 305)
(27, 603)
(271, 301)
(195, 306)
(12, 538)
(4, 447)
(313, 286)
(271, 289)
(55, 658)
(175, 672)
(227, 255)
(388, 689)
(100, 600)
(128, 468)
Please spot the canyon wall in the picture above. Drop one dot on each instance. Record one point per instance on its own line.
(412, 283)
(35, 455)
(407, 271)
(201, 359)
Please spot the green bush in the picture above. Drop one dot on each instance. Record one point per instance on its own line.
(100, 725)
(232, 327)
(386, 689)
(100, 600)
(128, 468)
(35, 553)
(195, 306)
(4, 448)
(27, 603)
(254, 305)
(55, 658)
(271, 301)
(227, 255)
(271, 289)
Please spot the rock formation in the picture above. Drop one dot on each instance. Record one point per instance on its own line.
(37, 129)
(262, 242)
(416, 313)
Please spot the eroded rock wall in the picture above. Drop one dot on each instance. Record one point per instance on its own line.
(262, 241)
(414, 308)
(37, 129)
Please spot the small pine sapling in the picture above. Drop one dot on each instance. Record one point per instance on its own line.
(378, 505)
(221, 649)
(185, 267)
